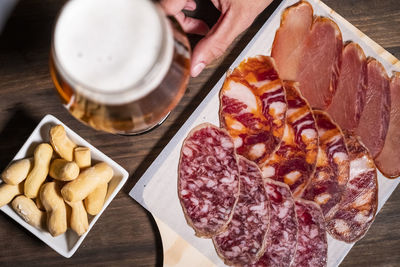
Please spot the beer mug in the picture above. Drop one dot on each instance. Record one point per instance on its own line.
(119, 66)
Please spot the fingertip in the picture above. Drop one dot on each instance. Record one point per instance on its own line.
(206, 51)
(197, 69)
(192, 25)
(172, 7)
(216, 42)
(190, 5)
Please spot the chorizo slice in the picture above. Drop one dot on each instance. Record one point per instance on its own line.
(374, 121)
(253, 108)
(348, 102)
(294, 162)
(332, 171)
(244, 240)
(388, 161)
(358, 206)
(208, 180)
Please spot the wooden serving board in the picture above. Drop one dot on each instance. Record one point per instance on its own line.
(157, 189)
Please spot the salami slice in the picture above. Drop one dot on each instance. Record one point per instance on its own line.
(282, 235)
(294, 162)
(253, 108)
(376, 113)
(332, 170)
(287, 49)
(388, 161)
(359, 203)
(208, 183)
(243, 242)
(312, 244)
(348, 102)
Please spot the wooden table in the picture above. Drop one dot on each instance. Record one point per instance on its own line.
(126, 234)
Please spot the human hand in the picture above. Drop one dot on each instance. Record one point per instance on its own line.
(236, 16)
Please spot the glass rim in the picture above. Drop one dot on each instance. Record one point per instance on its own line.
(152, 78)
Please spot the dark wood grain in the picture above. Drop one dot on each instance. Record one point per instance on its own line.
(126, 234)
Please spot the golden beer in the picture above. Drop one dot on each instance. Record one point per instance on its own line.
(119, 66)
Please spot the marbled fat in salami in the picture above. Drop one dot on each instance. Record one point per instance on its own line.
(208, 183)
(294, 162)
(253, 108)
(282, 235)
(243, 242)
(332, 170)
(359, 203)
(312, 244)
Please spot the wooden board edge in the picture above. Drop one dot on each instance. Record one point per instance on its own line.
(177, 251)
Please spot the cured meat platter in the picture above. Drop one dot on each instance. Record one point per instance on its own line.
(157, 189)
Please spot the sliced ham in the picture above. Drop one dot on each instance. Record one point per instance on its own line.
(388, 160)
(295, 25)
(253, 108)
(320, 63)
(348, 102)
(309, 51)
(374, 122)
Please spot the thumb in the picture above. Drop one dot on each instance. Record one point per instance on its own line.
(173, 7)
(215, 43)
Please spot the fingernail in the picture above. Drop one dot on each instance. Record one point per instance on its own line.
(197, 69)
(190, 6)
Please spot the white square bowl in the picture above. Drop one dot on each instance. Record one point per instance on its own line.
(67, 243)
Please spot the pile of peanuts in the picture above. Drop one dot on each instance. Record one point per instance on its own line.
(73, 190)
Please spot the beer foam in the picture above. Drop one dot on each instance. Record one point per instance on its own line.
(107, 47)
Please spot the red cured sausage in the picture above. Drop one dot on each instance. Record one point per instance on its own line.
(332, 170)
(388, 161)
(375, 117)
(282, 235)
(294, 162)
(320, 63)
(253, 108)
(208, 182)
(243, 241)
(359, 203)
(287, 49)
(348, 102)
(312, 244)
